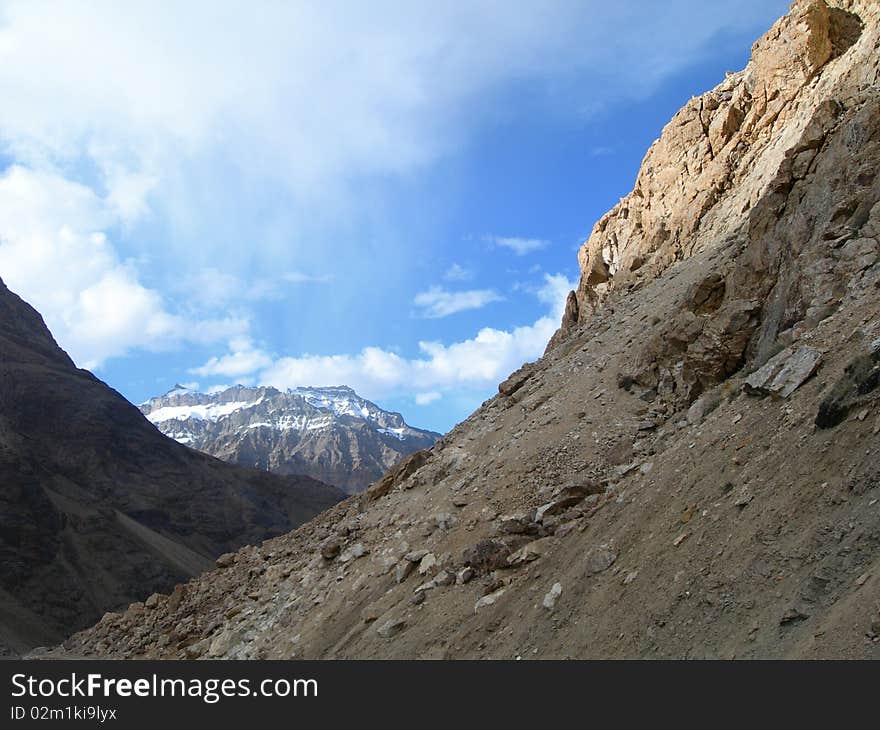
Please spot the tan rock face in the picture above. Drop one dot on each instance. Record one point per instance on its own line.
(751, 165)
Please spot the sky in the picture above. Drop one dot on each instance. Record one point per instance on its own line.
(384, 195)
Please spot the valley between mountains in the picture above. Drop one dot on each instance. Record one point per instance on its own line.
(690, 471)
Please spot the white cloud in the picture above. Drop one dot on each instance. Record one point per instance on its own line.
(55, 254)
(520, 246)
(243, 359)
(457, 272)
(425, 399)
(438, 302)
(477, 363)
(554, 292)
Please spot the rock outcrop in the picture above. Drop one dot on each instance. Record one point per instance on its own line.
(329, 434)
(771, 174)
(627, 495)
(97, 508)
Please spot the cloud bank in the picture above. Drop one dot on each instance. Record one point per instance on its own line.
(53, 251)
(473, 364)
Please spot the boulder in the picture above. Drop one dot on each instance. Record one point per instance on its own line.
(784, 373)
(517, 379)
(568, 496)
(428, 564)
(550, 598)
(599, 559)
(488, 600)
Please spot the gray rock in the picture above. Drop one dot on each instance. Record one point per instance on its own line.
(445, 521)
(568, 496)
(784, 373)
(403, 570)
(551, 596)
(599, 559)
(353, 552)
(488, 600)
(391, 627)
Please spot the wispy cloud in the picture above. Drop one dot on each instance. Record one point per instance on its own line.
(457, 272)
(425, 399)
(520, 246)
(438, 302)
(298, 277)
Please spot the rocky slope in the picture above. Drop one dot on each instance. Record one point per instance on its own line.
(330, 434)
(97, 508)
(692, 468)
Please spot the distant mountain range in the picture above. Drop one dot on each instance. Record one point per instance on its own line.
(331, 434)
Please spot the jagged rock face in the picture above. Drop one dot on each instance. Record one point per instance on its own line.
(690, 471)
(331, 434)
(97, 508)
(776, 166)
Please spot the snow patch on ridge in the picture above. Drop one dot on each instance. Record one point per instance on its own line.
(206, 412)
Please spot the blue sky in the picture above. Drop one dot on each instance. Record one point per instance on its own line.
(326, 193)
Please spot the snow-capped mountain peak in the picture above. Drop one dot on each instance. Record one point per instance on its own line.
(328, 432)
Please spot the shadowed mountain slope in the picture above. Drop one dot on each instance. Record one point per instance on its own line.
(97, 508)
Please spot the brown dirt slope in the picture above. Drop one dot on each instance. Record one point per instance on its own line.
(692, 468)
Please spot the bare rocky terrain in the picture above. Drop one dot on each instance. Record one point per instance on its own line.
(691, 470)
(99, 509)
(330, 434)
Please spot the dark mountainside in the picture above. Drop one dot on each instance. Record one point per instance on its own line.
(99, 509)
(690, 471)
(330, 434)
